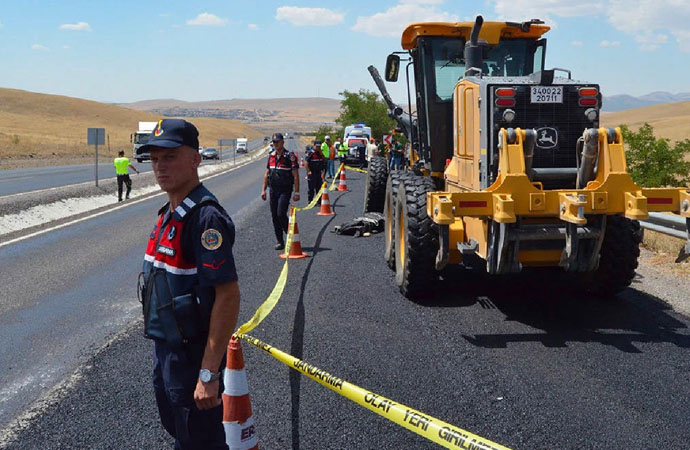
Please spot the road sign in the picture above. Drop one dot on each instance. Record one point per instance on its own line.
(95, 136)
(387, 139)
(227, 142)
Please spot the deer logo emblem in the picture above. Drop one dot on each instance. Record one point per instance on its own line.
(547, 138)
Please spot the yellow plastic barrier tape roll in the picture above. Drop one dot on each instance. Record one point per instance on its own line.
(267, 306)
(438, 431)
(355, 169)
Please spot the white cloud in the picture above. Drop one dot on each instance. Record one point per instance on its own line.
(79, 26)
(66, 47)
(648, 22)
(606, 43)
(576, 43)
(309, 16)
(39, 47)
(394, 20)
(207, 20)
(253, 26)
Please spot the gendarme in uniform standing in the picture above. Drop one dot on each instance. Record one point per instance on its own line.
(282, 175)
(189, 291)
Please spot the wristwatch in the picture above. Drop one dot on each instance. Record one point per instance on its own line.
(206, 376)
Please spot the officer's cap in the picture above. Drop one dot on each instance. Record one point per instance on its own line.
(172, 133)
(317, 142)
(327, 137)
(277, 137)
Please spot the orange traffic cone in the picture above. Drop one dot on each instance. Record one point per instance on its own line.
(342, 186)
(325, 203)
(301, 162)
(295, 250)
(238, 422)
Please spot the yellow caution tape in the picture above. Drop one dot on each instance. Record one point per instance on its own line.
(267, 306)
(335, 178)
(438, 431)
(355, 169)
(315, 200)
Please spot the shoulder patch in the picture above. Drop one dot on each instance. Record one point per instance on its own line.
(211, 239)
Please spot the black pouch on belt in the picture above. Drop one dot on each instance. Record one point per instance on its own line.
(166, 316)
(186, 312)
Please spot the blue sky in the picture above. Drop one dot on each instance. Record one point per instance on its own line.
(129, 50)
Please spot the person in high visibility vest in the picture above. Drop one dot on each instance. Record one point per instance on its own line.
(122, 166)
(342, 151)
(329, 155)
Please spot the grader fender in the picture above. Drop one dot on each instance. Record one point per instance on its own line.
(513, 195)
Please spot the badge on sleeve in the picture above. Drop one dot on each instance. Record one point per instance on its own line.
(211, 239)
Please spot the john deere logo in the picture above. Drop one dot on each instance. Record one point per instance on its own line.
(547, 138)
(159, 129)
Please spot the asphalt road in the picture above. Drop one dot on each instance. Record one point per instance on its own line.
(522, 361)
(16, 181)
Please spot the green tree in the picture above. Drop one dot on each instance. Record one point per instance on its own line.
(327, 130)
(654, 162)
(368, 108)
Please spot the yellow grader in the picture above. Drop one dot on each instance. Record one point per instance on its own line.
(512, 170)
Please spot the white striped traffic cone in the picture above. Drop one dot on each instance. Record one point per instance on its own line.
(325, 203)
(238, 422)
(342, 186)
(295, 250)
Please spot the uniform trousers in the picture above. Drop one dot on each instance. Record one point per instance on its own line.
(123, 179)
(175, 374)
(280, 201)
(314, 180)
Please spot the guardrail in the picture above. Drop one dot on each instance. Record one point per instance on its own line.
(667, 224)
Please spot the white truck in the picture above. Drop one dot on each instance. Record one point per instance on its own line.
(141, 137)
(356, 137)
(358, 129)
(241, 145)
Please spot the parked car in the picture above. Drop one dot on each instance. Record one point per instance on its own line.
(210, 153)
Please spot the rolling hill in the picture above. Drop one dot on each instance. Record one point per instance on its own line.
(299, 114)
(42, 126)
(670, 120)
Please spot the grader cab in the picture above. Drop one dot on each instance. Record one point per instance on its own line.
(513, 167)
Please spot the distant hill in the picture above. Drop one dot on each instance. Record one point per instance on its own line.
(616, 103)
(55, 126)
(670, 120)
(300, 114)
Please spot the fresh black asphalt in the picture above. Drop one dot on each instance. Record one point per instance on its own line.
(524, 361)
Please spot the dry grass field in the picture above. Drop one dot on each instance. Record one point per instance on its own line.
(41, 129)
(670, 120)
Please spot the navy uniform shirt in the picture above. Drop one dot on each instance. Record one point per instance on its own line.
(280, 170)
(192, 245)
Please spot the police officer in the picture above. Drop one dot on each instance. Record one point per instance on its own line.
(189, 291)
(282, 176)
(315, 169)
(122, 166)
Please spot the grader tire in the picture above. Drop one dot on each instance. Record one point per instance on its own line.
(618, 257)
(391, 196)
(375, 186)
(416, 239)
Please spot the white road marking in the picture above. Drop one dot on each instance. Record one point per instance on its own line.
(64, 208)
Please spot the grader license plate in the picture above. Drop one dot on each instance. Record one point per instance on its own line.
(547, 94)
